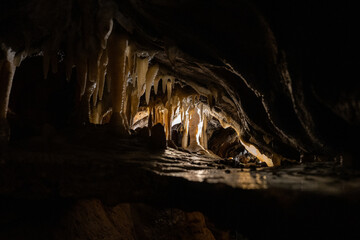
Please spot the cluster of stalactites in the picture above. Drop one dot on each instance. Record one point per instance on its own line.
(184, 109)
(85, 41)
(180, 108)
(194, 123)
(128, 77)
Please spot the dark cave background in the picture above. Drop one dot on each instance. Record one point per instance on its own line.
(289, 66)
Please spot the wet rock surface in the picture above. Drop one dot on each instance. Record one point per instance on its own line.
(89, 164)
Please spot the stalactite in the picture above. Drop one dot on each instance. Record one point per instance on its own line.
(69, 61)
(150, 119)
(204, 133)
(102, 73)
(108, 83)
(81, 68)
(164, 83)
(195, 130)
(129, 59)
(93, 67)
(116, 53)
(50, 52)
(104, 24)
(166, 123)
(156, 115)
(142, 65)
(54, 63)
(170, 119)
(150, 76)
(7, 71)
(46, 62)
(182, 113)
(184, 141)
(97, 83)
(153, 121)
(133, 73)
(134, 104)
(96, 114)
(255, 152)
(214, 93)
(169, 87)
(156, 84)
(128, 103)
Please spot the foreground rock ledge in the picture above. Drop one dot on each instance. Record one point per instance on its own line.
(92, 177)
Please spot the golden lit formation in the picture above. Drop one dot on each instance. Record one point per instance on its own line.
(129, 76)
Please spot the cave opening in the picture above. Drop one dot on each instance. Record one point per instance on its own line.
(184, 119)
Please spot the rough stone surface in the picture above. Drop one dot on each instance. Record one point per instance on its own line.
(287, 78)
(285, 71)
(318, 196)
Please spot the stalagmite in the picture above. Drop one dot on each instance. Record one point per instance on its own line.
(150, 76)
(156, 84)
(142, 65)
(116, 53)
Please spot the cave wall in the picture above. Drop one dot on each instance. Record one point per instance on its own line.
(289, 68)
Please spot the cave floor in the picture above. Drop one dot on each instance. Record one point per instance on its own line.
(92, 164)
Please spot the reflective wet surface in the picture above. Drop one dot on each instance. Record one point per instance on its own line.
(115, 170)
(324, 177)
(98, 150)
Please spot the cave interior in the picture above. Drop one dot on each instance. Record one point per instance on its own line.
(155, 119)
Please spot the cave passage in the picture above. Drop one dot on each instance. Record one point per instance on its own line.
(153, 119)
